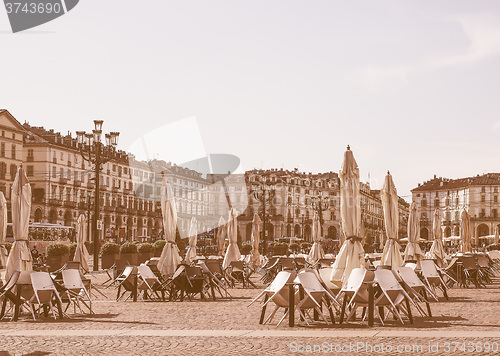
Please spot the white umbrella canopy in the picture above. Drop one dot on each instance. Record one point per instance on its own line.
(351, 254)
(465, 235)
(221, 235)
(316, 252)
(233, 252)
(412, 250)
(193, 237)
(3, 230)
(169, 258)
(437, 249)
(81, 253)
(20, 257)
(255, 239)
(391, 256)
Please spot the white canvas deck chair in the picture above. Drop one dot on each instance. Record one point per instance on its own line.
(392, 297)
(432, 276)
(315, 296)
(148, 282)
(416, 289)
(278, 293)
(75, 290)
(355, 291)
(44, 293)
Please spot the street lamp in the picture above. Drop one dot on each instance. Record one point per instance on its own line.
(320, 203)
(263, 191)
(96, 153)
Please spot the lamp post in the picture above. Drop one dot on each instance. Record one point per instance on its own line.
(320, 203)
(95, 152)
(264, 191)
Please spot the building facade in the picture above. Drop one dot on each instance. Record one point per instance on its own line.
(478, 195)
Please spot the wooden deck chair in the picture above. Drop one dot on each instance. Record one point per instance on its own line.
(126, 281)
(7, 293)
(215, 282)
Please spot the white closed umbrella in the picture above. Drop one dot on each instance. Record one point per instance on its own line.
(316, 252)
(413, 252)
(20, 256)
(233, 252)
(391, 256)
(255, 239)
(221, 235)
(437, 249)
(81, 253)
(3, 230)
(351, 254)
(169, 258)
(193, 237)
(465, 234)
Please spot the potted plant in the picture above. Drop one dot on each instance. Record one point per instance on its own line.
(57, 255)
(128, 253)
(109, 253)
(145, 251)
(158, 247)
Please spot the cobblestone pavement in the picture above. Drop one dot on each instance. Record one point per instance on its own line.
(469, 321)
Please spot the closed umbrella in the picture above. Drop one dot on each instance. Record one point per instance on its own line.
(496, 235)
(391, 256)
(20, 257)
(465, 234)
(316, 252)
(169, 258)
(221, 235)
(193, 233)
(412, 250)
(3, 230)
(233, 252)
(81, 253)
(437, 249)
(351, 254)
(255, 239)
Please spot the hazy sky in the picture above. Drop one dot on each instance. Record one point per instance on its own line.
(412, 86)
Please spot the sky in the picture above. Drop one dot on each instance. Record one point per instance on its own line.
(411, 86)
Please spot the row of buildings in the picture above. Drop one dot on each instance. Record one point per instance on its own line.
(63, 187)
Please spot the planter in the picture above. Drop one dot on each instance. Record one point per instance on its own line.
(56, 262)
(143, 257)
(130, 258)
(108, 260)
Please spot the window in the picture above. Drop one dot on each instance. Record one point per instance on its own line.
(62, 156)
(2, 149)
(483, 198)
(13, 170)
(483, 189)
(54, 172)
(3, 170)
(482, 214)
(495, 198)
(14, 136)
(436, 203)
(3, 133)
(13, 152)
(424, 202)
(29, 171)
(495, 213)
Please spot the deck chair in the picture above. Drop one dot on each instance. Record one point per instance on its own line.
(325, 262)
(355, 291)
(416, 289)
(149, 284)
(195, 282)
(392, 297)
(432, 277)
(286, 263)
(215, 282)
(44, 294)
(126, 281)
(323, 275)
(171, 282)
(471, 272)
(7, 293)
(315, 295)
(300, 262)
(486, 272)
(237, 271)
(76, 292)
(270, 270)
(278, 293)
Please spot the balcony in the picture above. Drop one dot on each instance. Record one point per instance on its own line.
(132, 211)
(70, 204)
(103, 187)
(30, 158)
(55, 202)
(115, 189)
(121, 210)
(63, 180)
(142, 212)
(82, 205)
(91, 185)
(78, 183)
(109, 208)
